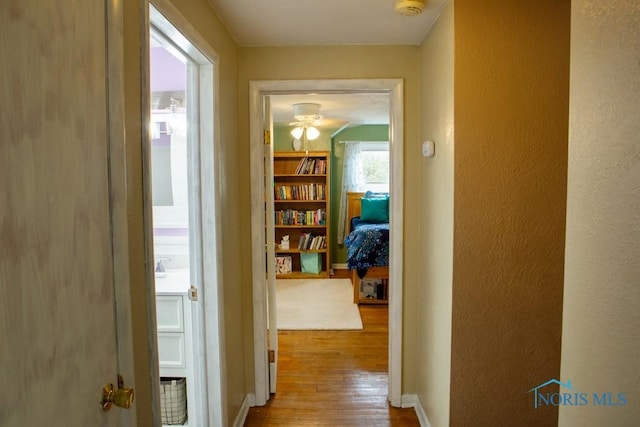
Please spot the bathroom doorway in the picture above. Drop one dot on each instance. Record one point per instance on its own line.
(183, 235)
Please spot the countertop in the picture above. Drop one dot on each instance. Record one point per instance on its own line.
(173, 282)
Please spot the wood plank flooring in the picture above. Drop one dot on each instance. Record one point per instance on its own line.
(334, 378)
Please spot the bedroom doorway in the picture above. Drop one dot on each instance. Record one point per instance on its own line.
(261, 131)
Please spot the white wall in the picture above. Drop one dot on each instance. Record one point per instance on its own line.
(601, 318)
(171, 223)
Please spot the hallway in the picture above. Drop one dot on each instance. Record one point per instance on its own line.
(334, 378)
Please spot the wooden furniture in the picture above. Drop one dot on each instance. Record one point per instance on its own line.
(301, 207)
(377, 277)
(373, 288)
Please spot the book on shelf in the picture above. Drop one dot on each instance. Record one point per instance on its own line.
(300, 217)
(308, 241)
(300, 166)
(301, 241)
(311, 166)
(313, 191)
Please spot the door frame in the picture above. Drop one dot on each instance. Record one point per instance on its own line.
(210, 360)
(258, 89)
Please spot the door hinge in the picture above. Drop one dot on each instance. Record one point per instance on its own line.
(267, 137)
(193, 293)
(272, 356)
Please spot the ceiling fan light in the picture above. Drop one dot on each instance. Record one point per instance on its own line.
(312, 133)
(297, 132)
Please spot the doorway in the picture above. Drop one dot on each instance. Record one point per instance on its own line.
(260, 129)
(182, 230)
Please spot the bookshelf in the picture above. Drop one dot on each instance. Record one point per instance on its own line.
(301, 209)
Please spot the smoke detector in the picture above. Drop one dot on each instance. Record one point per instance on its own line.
(409, 7)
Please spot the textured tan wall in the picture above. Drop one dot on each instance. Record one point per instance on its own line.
(511, 123)
(436, 222)
(200, 15)
(601, 319)
(342, 62)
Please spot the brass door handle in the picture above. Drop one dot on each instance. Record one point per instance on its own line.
(122, 397)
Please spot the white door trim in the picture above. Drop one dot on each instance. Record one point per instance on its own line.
(258, 89)
(211, 361)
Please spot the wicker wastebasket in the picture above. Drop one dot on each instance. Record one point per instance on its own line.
(173, 400)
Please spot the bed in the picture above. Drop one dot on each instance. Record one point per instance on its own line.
(368, 247)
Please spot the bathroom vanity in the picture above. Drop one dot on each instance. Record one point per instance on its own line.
(175, 333)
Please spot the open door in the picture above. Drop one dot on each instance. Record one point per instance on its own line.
(64, 289)
(272, 342)
(263, 257)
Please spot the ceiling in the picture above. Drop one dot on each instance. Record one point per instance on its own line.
(327, 22)
(323, 22)
(336, 110)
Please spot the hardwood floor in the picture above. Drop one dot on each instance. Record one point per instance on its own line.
(334, 378)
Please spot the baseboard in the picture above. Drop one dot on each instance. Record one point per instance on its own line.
(339, 266)
(413, 401)
(247, 403)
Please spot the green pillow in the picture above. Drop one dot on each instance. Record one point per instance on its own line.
(375, 209)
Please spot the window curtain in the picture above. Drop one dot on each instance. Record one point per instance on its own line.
(352, 180)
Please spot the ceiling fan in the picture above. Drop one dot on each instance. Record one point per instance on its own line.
(307, 117)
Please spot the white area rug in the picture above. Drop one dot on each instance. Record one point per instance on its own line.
(327, 304)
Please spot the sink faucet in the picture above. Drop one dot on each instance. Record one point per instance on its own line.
(160, 264)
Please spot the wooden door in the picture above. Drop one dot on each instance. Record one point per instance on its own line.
(57, 223)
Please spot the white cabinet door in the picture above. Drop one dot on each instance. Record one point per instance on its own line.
(171, 333)
(171, 350)
(170, 313)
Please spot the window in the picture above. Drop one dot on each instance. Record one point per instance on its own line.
(374, 160)
(365, 168)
